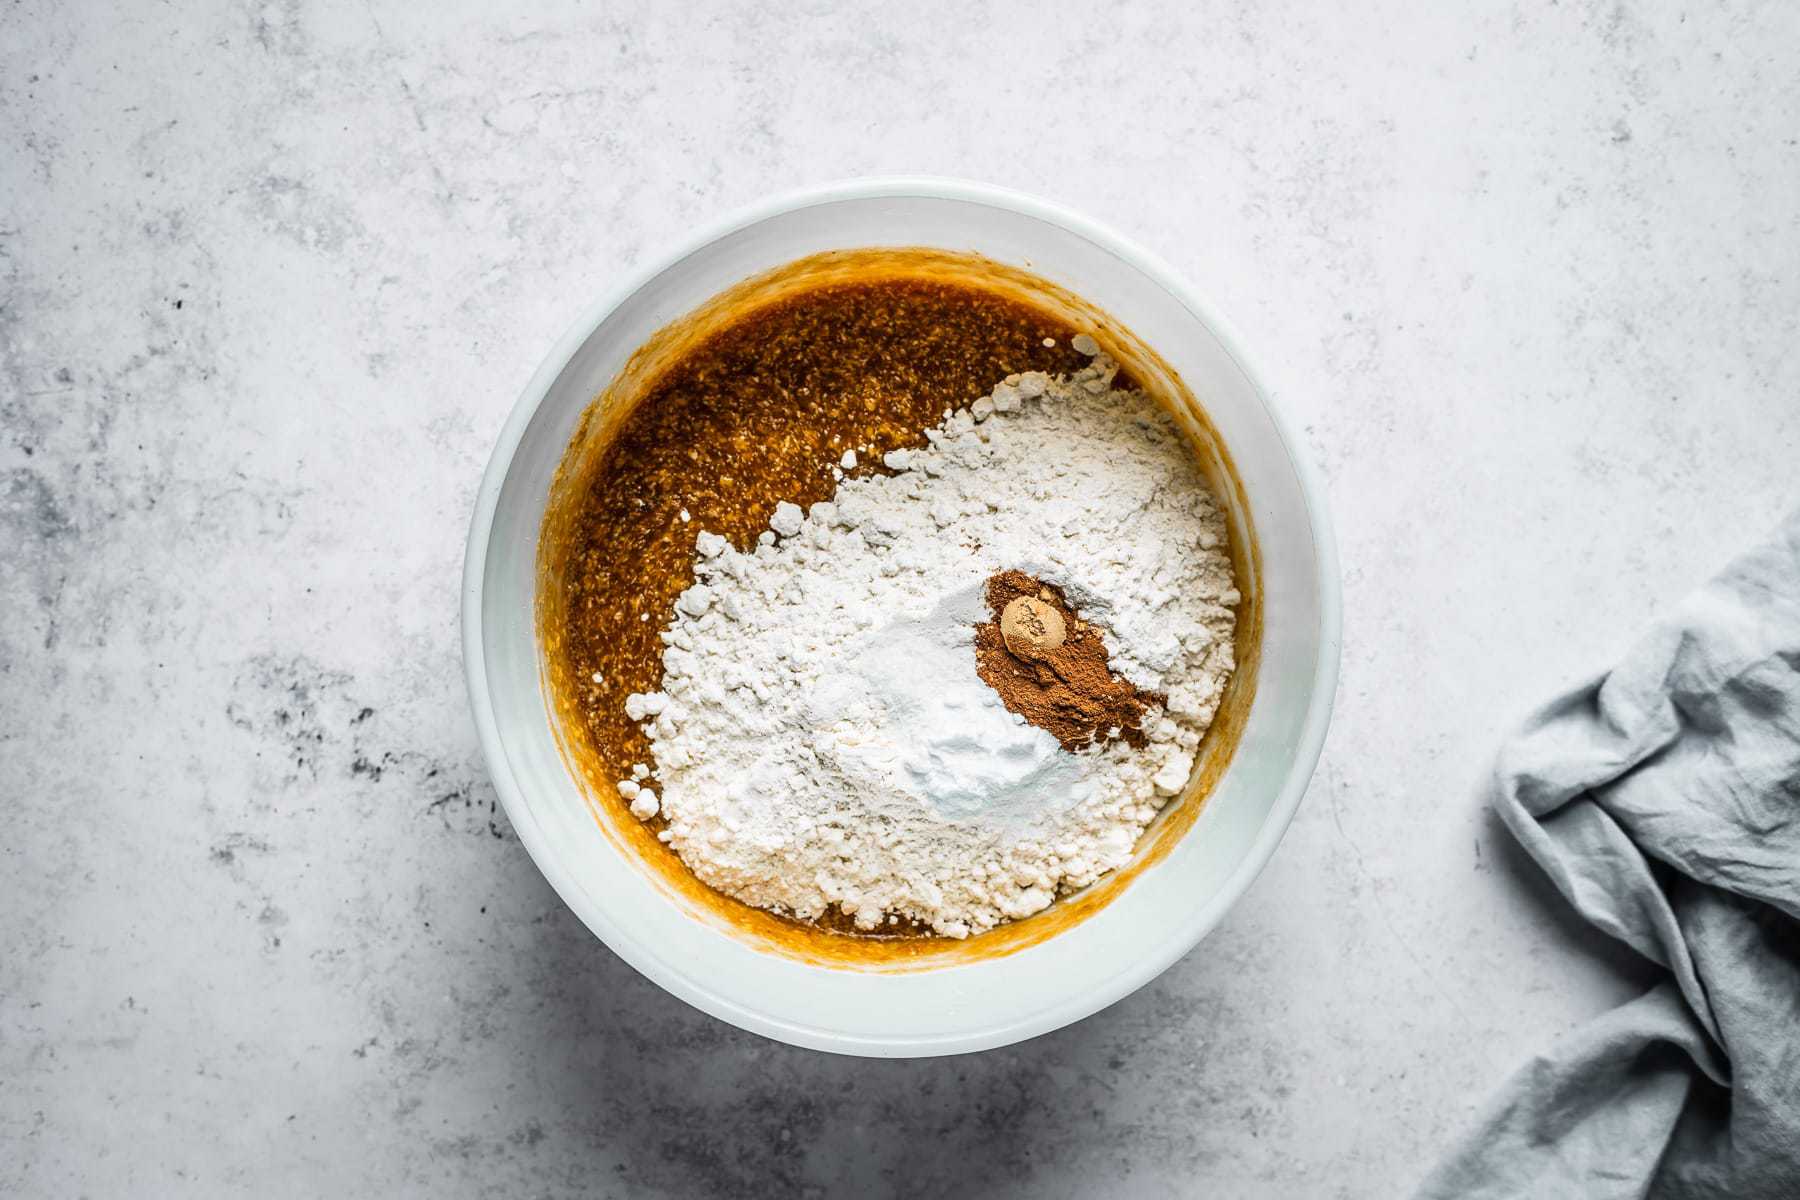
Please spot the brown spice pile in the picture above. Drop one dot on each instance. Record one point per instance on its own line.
(1066, 689)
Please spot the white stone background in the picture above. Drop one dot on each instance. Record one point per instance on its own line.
(271, 276)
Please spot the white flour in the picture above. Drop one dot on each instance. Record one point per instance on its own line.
(822, 736)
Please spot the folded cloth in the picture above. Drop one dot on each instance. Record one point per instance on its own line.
(1663, 799)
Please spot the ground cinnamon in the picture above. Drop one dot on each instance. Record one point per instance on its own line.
(1063, 685)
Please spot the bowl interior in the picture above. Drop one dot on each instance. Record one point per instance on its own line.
(960, 1002)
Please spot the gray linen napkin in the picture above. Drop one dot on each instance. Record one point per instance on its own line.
(1663, 799)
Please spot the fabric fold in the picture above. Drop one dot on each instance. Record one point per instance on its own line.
(1662, 799)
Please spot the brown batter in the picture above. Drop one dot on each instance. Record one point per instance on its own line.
(759, 413)
(612, 501)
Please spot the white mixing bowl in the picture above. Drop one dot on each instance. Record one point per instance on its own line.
(967, 1005)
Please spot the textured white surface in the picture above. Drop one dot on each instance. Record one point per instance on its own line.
(1526, 277)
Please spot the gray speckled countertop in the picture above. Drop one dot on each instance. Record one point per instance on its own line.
(271, 276)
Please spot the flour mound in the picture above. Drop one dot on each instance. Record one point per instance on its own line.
(822, 738)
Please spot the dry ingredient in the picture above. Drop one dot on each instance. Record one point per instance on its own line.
(1031, 624)
(1058, 682)
(827, 735)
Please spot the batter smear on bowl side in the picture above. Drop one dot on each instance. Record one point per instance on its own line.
(941, 684)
